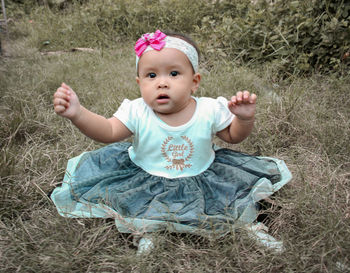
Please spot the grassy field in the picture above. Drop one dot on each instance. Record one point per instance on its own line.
(302, 120)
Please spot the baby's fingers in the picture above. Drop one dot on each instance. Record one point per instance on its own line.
(240, 97)
(59, 109)
(233, 100)
(67, 87)
(60, 100)
(252, 98)
(246, 96)
(60, 104)
(62, 93)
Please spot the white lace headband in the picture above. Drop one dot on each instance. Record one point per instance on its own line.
(158, 40)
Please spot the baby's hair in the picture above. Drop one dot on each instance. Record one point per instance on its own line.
(184, 37)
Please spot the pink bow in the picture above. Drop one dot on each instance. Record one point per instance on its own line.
(155, 40)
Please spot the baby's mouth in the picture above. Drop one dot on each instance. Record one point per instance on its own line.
(163, 98)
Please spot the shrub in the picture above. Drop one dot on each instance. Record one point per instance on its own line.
(300, 36)
(126, 19)
(21, 7)
(103, 23)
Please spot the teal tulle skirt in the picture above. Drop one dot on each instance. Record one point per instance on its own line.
(106, 183)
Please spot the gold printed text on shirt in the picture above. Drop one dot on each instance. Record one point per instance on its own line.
(178, 154)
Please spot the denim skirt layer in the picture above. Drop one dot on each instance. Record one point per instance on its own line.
(106, 183)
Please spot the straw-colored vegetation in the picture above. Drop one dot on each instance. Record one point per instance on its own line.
(302, 118)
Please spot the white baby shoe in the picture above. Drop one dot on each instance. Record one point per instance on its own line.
(258, 232)
(145, 246)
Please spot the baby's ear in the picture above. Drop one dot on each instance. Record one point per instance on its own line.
(196, 81)
(138, 80)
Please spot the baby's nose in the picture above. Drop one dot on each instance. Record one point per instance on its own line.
(162, 83)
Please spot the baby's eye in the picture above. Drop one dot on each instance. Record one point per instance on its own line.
(151, 75)
(174, 73)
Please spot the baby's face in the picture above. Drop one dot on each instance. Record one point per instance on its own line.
(166, 80)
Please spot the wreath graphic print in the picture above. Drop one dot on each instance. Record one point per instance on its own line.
(177, 154)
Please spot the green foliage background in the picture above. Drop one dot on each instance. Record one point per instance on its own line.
(296, 36)
(299, 36)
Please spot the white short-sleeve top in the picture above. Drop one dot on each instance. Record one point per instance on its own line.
(169, 151)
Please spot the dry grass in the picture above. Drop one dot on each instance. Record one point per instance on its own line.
(305, 121)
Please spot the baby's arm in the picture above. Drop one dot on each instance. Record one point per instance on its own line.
(243, 105)
(66, 104)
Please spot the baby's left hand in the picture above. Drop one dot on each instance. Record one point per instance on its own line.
(243, 105)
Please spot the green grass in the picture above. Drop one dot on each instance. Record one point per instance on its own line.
(304, 121)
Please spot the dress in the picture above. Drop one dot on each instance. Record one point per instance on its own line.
(182, 183)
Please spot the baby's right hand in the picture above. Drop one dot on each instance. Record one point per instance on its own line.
(66, 102)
